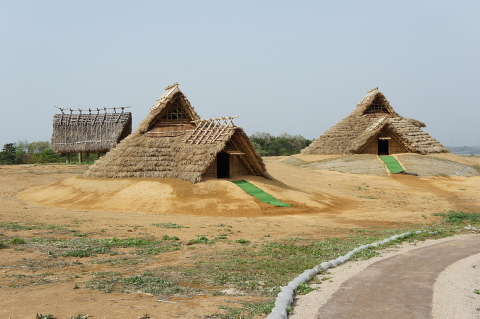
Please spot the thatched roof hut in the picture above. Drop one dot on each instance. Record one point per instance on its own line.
(375, 128)
(173, 142)
(87, 131)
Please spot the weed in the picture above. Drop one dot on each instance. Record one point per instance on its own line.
(80, 316)
(243, 241)
(155, 250)
(16, 225)
(80, 235)
(218, 293)
(166, 237)
(40, 316)
(80, 253)
(249, 310)
(365, 254)
(477, 291)
(2, 244)
(458, 218)
(119, 261)
(303, 289)
(168, 225)
(147, 282)
(200, 240)
(86, 247)
(17, 241)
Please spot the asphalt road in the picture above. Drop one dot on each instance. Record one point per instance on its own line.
(399, 286)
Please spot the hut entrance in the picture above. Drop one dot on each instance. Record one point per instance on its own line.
(223, 165)
(383, 146)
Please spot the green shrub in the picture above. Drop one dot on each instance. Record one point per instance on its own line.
(17, 241)
(458, 218)
(167, 225)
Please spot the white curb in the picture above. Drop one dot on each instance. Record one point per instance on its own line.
(285, 297)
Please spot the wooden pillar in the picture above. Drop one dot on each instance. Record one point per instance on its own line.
(68, 158)
(88, 157)
(80, 157)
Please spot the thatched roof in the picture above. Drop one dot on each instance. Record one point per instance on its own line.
(87, 132)
(373, 115)
(172, 142)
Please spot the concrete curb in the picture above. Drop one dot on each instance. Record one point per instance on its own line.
(285, 297)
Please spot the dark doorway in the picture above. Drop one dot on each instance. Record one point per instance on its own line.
(223, 165)
(383, 147)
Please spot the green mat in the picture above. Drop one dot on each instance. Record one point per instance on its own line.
(260, 194)
(393, 165)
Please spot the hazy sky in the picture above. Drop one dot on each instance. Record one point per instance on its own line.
(282, 66)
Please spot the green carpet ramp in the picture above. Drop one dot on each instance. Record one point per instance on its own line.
(393, 165)
(260, 194)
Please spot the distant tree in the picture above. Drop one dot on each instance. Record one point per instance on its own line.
(49, 156)
(8, 154)
(283, 145)
(24, 152)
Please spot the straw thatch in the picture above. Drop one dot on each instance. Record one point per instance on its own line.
(173, 142)
(375, 128)
(87, 132)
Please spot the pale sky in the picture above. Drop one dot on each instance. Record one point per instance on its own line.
(283, 66)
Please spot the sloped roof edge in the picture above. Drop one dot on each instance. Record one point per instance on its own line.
(168, 95)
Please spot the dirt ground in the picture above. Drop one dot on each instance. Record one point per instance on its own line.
(325, 203)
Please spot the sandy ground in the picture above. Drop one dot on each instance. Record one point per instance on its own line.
(326, 203)
(453, 296)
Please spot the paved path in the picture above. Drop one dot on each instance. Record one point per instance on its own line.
(399, 287)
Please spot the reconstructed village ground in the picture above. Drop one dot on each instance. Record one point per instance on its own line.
(100, 246)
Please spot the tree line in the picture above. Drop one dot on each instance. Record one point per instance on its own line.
(266, 144)
(24, 152)
(282, 145)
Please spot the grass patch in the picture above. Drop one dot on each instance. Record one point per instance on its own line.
(168, 225)
(303, 289)
(200, 240)
(87, 247)
(256, 268)
(262, 269)
(147, 282)
(23, 280)
(460, 218)
(21, 226)
(249, 310)
(18, 241)
(120, 261)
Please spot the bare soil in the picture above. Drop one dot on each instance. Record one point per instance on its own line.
(326, 203)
